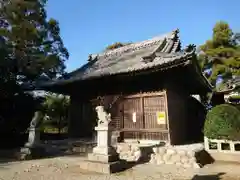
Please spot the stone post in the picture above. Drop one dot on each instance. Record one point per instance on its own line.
(33, 148)
(104, 158)
(33, 137)
(206, 143)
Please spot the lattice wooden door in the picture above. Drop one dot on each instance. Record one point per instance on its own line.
(140, 119)
(155, 128)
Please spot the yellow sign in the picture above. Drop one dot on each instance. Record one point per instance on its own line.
(161, 117)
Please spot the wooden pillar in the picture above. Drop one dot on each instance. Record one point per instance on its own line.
(80, 118)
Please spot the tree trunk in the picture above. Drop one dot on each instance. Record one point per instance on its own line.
(59, 125)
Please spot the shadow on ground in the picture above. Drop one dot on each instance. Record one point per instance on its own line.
(145, 158)
(211, 177)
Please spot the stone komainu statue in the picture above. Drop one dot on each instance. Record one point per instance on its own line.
(104, 118)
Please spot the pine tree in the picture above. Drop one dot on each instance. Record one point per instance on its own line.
(32, 43)
(30, 46)
(221, 54)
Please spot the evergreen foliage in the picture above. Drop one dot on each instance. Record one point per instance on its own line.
(221, 54)
(30, 44)
(223, 122)
(56, 109)
(116, 45)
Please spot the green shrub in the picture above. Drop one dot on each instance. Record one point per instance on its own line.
(223, 122)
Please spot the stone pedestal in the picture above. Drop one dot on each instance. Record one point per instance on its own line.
(33, 148)
(104, 158)
(103, 152)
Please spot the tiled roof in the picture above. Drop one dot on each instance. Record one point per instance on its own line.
(127, 64)
(161, 52)
(132, 57)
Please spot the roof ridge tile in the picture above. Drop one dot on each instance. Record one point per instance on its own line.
(139, 45)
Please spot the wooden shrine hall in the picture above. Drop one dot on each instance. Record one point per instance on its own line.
(146, 86)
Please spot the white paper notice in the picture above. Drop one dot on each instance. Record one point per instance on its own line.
(134, 117)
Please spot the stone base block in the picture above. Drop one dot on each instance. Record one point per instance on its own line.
(101, 167)
(32, 152)
(103, 158)
(187, 156)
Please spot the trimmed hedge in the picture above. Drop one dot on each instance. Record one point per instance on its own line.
(223, 122)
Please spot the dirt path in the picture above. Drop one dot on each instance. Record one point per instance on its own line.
(67, 168)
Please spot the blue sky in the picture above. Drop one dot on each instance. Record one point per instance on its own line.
(87, 26)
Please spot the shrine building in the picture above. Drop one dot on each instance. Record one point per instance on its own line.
(147, 87)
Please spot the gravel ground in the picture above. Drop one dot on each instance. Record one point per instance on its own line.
(67, 168)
